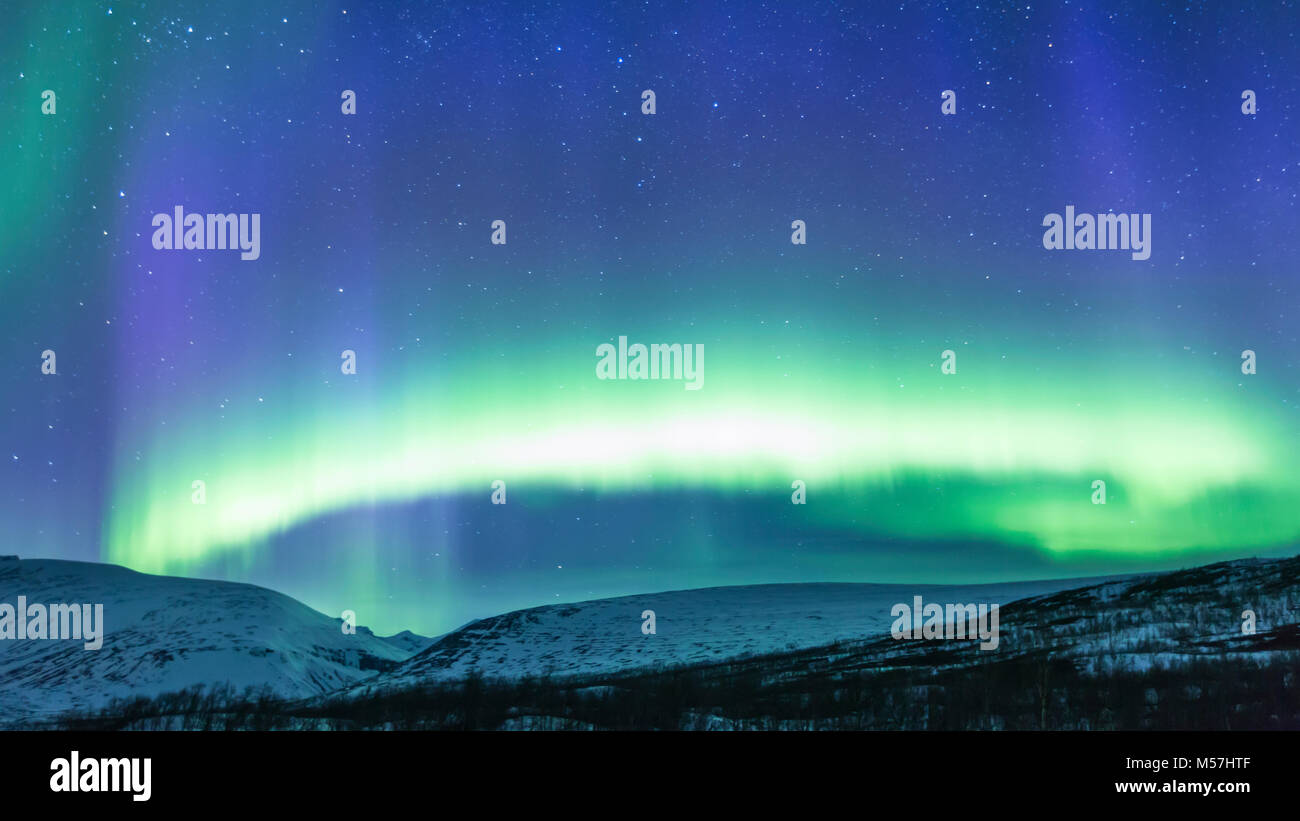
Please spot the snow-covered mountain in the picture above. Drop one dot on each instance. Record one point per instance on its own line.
(1171, 635)
(412, 643)
(1214, 647)
(164, 634)
(691, 626)
(1165, 619)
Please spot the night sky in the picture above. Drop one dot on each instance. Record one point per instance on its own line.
(476, 362)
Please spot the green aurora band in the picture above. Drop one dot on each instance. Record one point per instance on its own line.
(956, 456)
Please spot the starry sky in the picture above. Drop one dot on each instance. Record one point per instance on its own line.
(476, 362)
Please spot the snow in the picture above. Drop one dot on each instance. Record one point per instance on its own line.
(692, 626)
(163, 634)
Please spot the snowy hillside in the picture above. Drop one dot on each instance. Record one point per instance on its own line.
(692, 626)
(1161, 651)
(1165, 619)
(164, 634)
(1153, 651)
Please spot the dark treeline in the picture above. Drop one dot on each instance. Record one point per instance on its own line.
(1015, 694)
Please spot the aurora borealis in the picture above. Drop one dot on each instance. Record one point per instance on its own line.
(476, 362)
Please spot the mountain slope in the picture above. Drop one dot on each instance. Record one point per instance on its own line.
(756, 656)
(1157, 651)
(164, 634)
(692, 626)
